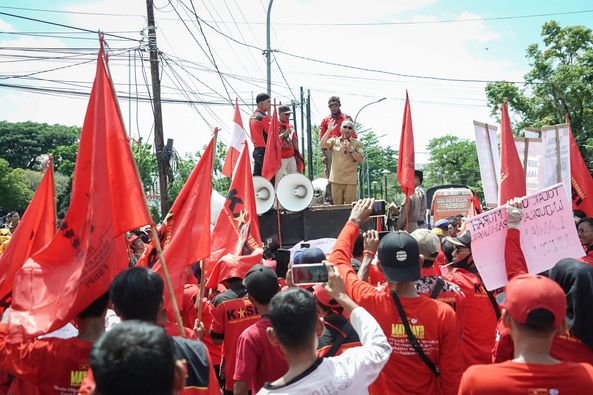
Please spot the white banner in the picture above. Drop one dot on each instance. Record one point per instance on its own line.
(556, 157)
(548, 234)
(530, 154)
(489, 160)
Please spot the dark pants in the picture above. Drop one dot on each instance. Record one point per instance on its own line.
(258, 160)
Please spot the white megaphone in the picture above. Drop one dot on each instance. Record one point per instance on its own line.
(295, 192)
(216, 205)
(319, 186)
(264, 194)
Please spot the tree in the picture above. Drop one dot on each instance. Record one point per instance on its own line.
(560, 81)
(13, 190)
(452, 161)
(22, 142)
(145, 162)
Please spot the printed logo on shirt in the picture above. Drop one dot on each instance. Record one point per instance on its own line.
(398, 330)
(241, 313)
(76, 377)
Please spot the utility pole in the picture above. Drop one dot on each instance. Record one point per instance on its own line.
(303, 122)
(269, 49)
(156, 105)
(309, 142)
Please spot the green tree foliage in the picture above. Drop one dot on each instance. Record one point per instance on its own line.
(23, 141)
(560, 81)
(14, 193)
(452, 161)
(145, 162)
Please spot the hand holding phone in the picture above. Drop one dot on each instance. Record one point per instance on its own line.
(311, 273)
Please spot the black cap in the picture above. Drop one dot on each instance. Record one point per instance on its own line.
(261, 283)
(261, 97)
(312, 255)
(399, 256)
(465, 240)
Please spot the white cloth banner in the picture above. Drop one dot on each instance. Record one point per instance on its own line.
(489, 160)
(556, 157)
(530, 154)
(548, 234)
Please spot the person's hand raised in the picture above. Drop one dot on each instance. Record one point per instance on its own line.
(361, 211)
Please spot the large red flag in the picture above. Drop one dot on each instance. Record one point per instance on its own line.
(236, 241)
(187, 225)
(77, 267)
(405, 161)
(582, 182)
(273, 156)
(35, 231)
(512, 175)
(238, 136)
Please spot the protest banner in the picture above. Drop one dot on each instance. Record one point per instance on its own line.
(556, 157)
(489, 160)
(547, 231)
(530, 151)
(451, 202)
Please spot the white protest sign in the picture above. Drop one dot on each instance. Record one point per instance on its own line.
(489, 160)
(556, 157)
(548, 234)
(530, 154)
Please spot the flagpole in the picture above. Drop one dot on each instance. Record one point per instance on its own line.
(202, 265)
(152, 224)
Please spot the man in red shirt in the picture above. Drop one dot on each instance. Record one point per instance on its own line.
(53, 365)
(258, 361)
(259, 126)
(290, 145)
(533, 310)
(232, 313)
(432, 323)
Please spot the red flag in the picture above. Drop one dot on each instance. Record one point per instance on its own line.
(236, 231)
(405, 161)
(77, 267)
(35, 231)
(512, 175)
(238, 136)
(187, 225)
(273, 156)
(582, 182)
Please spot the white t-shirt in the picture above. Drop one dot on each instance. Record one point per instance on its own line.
(349, 373)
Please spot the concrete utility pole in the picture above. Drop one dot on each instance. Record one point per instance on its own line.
(156, 105)
(269, 49)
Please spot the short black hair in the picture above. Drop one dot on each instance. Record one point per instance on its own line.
(293, 314)
(419, 174)
(97, 308)
(137, 294)
(134, 357)
(334, 98)
(539, 321)
(358, 248)
(61, 215)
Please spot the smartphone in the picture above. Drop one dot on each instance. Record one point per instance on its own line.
(310, 273)
(378, 208)
(382, 234)
(282, 260)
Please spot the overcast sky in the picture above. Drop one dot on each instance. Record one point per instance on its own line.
(449, 41)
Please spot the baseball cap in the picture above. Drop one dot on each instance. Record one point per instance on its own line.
(527, 292)
(261, 283)
(261, 97)
(312, 255)
(438, 232)
(399, 255)
(284, 109)
(429, 244)
(442, 223)
(465, 240)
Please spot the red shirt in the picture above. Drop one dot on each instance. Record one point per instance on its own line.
(337, 131)
(258, 361)
(588, 258)
(259, 126)
(287, 147)
(512, 378)
(479, 319)
(230, 317)
(54, 365)
(434, 323)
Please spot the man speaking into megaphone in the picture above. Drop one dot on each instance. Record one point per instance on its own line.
(345, 153)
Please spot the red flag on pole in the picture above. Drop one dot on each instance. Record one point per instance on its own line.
(238, 136)
(35, 231)
(236, 241)
(582, 182)
(273, 156)
(77, 267)
(187, 225)
(512, 175)
(405, 161)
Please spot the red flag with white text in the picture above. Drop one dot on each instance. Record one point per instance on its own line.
(582, 182)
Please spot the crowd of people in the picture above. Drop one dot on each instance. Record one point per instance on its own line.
(404, 314)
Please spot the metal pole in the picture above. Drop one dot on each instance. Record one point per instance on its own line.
(294, 118)
(130, 94)
(303, 122)
(365, 106)
(309, 142)
(158, 115)
(268, 49)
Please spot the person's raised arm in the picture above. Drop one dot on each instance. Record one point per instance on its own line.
(371, 244)
(513, 255)
(323, 144)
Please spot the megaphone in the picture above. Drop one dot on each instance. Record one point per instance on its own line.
(295, 192)
(216, 205)
(264, 194)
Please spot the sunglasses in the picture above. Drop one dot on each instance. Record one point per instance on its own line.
(347, 127)
(334, 105)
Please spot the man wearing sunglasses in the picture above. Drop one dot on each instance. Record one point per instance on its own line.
(332, 124)
(346, 154)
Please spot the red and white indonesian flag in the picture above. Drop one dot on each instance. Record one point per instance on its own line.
(238, 136)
